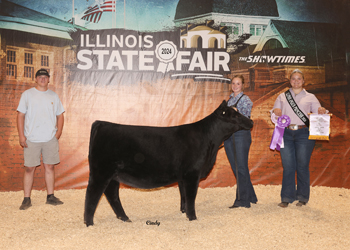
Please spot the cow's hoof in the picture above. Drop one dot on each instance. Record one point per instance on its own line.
(125, 219)
(183, 211)
(192, 218)
(89, 224)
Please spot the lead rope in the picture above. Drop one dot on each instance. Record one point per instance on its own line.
(235, 154)
(236, 165)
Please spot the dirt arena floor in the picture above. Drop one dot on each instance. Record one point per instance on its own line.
(157, 223)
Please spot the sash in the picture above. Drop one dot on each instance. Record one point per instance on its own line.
(296, 109)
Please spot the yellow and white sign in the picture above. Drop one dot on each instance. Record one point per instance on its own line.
(319, 127)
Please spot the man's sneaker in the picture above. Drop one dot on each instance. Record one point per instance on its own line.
(25, 204)
(52, 200)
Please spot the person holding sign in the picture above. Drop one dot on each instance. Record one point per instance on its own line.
(296, 103)
(237, 146)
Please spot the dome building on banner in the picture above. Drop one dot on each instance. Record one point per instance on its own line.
(240, 17)
(203, 37)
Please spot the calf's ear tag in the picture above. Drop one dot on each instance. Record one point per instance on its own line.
(223, 112)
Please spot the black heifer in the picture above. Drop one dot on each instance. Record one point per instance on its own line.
(151, 157)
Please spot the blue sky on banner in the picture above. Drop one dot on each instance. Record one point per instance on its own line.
(143, 15)
(156, 15)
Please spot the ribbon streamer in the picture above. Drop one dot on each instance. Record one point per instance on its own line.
(165, 67)
(277, 137)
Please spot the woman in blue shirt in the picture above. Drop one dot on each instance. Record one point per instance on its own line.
(242, 139)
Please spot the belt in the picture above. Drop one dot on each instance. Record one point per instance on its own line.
(296, 127)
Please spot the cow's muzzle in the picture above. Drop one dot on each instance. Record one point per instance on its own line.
(247, 123)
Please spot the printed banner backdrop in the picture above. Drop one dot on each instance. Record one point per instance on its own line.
(169, 62)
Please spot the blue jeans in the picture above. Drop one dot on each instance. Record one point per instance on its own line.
(245, 193)
(296, 156)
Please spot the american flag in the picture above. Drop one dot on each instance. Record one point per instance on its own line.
(94, 13)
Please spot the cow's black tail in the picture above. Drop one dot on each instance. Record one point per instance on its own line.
(94, 129)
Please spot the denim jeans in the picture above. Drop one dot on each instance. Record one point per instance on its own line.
(245, 193)
(296, 156)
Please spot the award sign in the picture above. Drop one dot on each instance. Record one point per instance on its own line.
(319, 127)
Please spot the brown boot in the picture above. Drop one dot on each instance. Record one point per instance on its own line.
(283, 204)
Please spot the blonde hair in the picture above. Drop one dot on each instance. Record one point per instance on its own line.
(240, 77)
(297, 71)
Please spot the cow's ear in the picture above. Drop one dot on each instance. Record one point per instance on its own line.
(224, 103)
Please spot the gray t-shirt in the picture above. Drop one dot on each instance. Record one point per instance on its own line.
(41, 109)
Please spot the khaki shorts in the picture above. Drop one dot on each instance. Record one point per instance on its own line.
(49, 151)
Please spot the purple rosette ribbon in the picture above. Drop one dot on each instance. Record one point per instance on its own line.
(280, 124)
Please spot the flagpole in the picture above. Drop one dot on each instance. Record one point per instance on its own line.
(124, 14)
(115, 15)
(73, 21)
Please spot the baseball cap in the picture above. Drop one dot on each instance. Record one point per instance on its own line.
(42, 72)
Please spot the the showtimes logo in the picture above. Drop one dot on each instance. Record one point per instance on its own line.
(273, 59)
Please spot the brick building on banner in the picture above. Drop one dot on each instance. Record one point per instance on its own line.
(263, 48)
(29, 41)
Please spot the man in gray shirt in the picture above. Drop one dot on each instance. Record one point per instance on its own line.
(40, 122)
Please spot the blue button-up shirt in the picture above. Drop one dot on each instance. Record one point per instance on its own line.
(244, 106)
